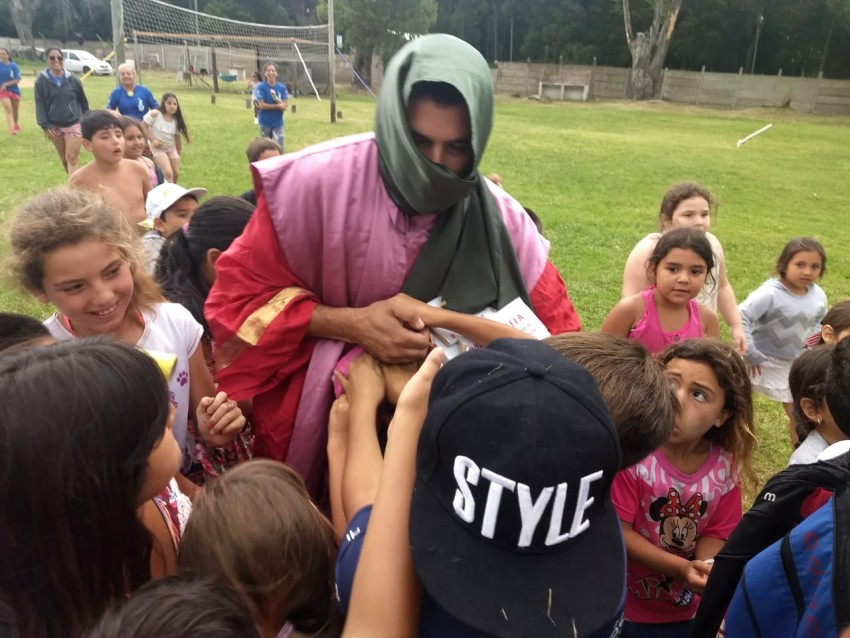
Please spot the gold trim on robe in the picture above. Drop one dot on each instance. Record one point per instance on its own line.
(252, 329)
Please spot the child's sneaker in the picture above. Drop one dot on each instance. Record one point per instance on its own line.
(17, 128)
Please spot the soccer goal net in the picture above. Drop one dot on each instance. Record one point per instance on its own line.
(198, 45)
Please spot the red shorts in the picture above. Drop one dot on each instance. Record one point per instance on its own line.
(8, 95)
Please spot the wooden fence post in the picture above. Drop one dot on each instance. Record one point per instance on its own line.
(699, 86)
(817, 90)
(776, 88)
(527, 74)
(590, 93)
(663, 83)
(737, 87)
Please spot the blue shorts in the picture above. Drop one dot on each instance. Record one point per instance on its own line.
(349, 555)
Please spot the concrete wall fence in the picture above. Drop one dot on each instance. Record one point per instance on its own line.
(734, 90)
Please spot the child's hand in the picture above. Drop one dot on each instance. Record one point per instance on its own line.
(365, 381)
(695, 574)
(219, 419)
(755, 371)
(396, 377)
(157, 143)
(739, 339)
(413, 401)
(338, 420)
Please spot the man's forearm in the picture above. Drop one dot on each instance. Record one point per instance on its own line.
(333, 323)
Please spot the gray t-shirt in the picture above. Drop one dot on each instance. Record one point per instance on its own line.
(152, 243)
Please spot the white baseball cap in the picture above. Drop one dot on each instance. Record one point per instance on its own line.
(163, 197)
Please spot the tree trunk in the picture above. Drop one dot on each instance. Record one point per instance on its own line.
(363, 65)
(649, 50)
(642, 83)
(23, 13)
(826, 45)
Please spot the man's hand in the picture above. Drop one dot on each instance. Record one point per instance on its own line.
(392, 330)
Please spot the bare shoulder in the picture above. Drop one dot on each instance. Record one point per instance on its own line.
(623, 316)
(86, 177)
(633, 305)
(132, 167)
(710, 322)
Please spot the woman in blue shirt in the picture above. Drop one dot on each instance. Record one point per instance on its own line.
(272, 100)
(130, 99)
(10, 94)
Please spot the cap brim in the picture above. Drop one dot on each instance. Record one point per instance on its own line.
(576, 592)
(197, 192)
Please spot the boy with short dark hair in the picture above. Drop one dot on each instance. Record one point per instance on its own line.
(259, 148)
(124, 182)
(633, 385)
(169, 208)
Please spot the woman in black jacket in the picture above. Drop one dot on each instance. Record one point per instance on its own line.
(60, 102)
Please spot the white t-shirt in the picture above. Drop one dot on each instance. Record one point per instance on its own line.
(161, 129)
(170, 328)
(809, 449)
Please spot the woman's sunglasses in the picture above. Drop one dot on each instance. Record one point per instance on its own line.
(55, 58)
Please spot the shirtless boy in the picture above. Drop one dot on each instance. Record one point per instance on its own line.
(124, 182)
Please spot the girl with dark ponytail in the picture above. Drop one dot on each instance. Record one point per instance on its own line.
(185, 272)
(186, 269)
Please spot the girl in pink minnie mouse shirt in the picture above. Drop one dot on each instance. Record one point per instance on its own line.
(679, 505)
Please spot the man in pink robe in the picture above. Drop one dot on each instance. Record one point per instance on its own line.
(342, 227)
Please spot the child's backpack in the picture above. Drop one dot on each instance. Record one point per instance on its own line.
(800, 585)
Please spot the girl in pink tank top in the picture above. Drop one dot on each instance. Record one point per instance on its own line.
(667, 311)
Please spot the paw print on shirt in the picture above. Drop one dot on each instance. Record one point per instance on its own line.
(183, 378)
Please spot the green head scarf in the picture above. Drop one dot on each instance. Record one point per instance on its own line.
(468, 257)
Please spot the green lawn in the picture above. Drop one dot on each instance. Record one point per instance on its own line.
(595, 174)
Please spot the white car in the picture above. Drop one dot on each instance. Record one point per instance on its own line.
(77, 61)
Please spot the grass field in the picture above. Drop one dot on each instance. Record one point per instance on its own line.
(594, 172)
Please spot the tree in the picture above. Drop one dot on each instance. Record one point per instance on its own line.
(649, 50)
(379, 27)
(23, 13)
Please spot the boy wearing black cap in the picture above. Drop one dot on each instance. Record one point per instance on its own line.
(511, 530)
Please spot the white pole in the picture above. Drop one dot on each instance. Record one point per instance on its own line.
(118, 32)
(307, 71)
(331, 60)
(743, 141)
